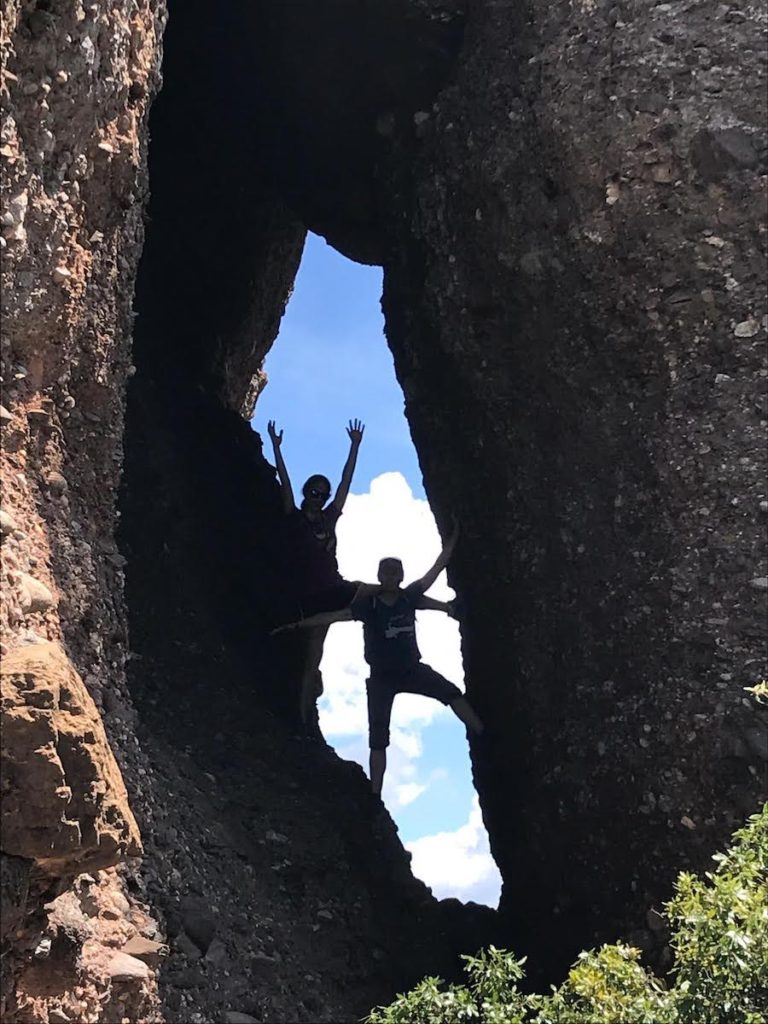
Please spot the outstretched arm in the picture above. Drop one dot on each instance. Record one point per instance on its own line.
(430, 604)
(355, 431)
(443, 559)
(285, 481)
(321, 619)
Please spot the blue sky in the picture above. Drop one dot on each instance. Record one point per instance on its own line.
(330, 364)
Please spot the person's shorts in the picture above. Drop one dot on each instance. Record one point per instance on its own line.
(383, 687)
(330, 599)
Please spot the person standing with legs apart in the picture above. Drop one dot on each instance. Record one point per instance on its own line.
(319, 585)
(388, 614)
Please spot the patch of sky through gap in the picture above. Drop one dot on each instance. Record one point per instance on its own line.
(330, 364)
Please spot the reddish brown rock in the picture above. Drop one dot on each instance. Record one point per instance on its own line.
(65, 805)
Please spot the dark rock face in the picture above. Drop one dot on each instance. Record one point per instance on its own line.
(334, 82)
(223, 248)
(575, 263)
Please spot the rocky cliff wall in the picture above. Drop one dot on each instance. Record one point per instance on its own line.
(268, 884)
(567, 201)
(576, 265)
(77, 82)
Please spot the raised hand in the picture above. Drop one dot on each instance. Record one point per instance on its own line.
(355, 431)
(275, 438)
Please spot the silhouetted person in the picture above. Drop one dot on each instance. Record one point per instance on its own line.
(317, 583)
(388, 614)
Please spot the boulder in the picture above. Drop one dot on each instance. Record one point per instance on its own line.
(65, 806)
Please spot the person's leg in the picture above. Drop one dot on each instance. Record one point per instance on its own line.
(425, 680)
(380, 698)
(311, 684)
(331, 599)
(378, 765)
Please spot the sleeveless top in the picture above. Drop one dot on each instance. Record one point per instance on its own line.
(313, 555)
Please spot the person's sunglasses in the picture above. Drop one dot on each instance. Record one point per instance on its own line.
(314, 493)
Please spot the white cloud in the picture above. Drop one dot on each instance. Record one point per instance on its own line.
(408, 792)
(458, 863)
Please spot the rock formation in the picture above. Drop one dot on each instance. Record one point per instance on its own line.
(576, 263)
(76, 85)
(568, 203)
(64, 803)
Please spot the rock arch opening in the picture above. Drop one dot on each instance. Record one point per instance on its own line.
(569, 208)
(330, 360)
(545, 397)
(200, 511)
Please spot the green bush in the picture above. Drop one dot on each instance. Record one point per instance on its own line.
(720, 941)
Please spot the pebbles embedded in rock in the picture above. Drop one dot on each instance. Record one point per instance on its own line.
(35, 596)
(61, 274)
(57, 484)
(123, 967)
(13, 218)
(217, 952)
(186, 946)
(5, 415)
(7, 523)
(746, 329)
(146, 950)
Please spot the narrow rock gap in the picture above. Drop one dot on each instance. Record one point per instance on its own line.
(217, 699)
(329, 362)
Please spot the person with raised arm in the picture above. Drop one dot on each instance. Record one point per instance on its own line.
(388, 615)
(314, 570)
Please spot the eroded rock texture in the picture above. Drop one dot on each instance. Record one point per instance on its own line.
(576, 261)
(264, 850)
(570, 214)
(567, 200)
(64, 803)
(76, 84)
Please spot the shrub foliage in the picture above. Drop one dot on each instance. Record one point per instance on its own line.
(719, 927)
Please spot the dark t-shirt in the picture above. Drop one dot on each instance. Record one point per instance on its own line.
(389, 631)
(313, 550)
(324, 529)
